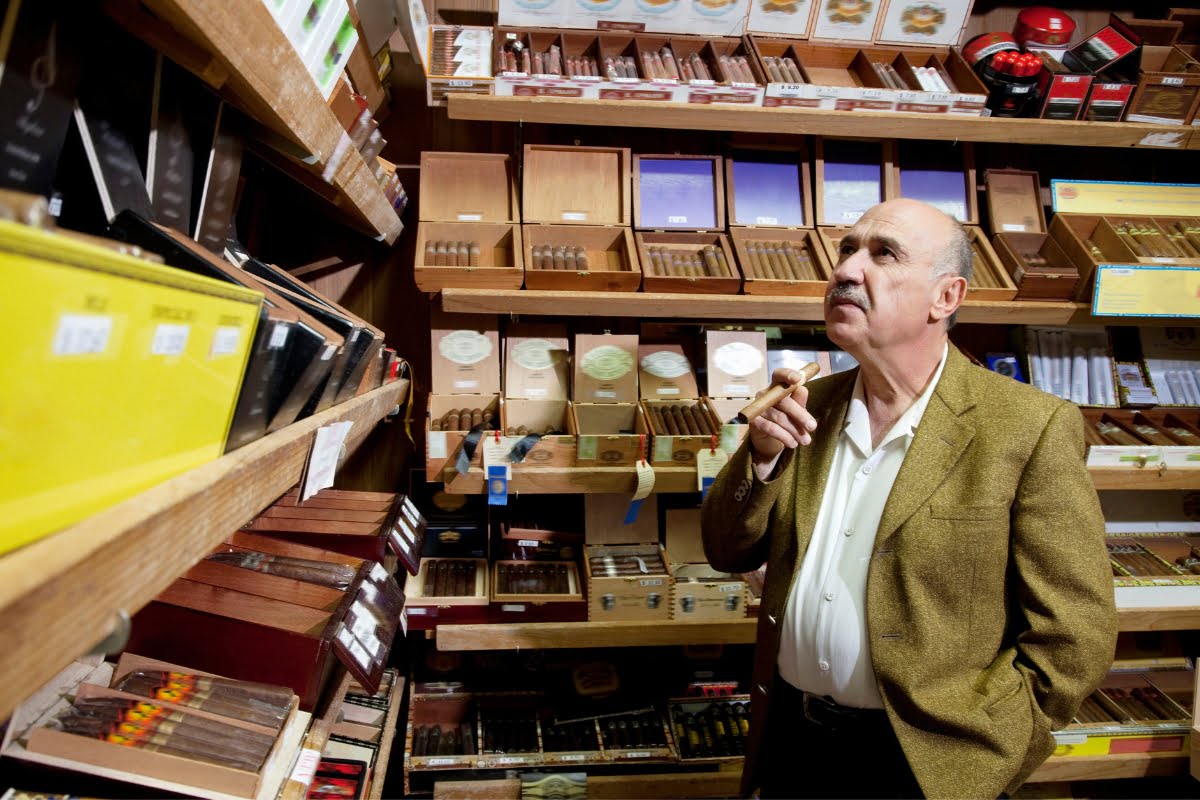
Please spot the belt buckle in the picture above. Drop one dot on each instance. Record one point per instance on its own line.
(804, 700)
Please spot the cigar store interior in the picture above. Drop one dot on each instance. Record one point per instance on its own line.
(371, 360)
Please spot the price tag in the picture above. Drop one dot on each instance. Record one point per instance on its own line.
(306, 766)
(279, 336)
(169, 339)
(465, 384)
(225, 341)
(1171, 80)
(440, 762)
(645, 485)
(604, 393)
(650, 582)
(322, 463)
(461, 84)
(638, 754)
(677, 219)
(709, 462)
(82, 334)
(667, 390)
(378, 573)
(766, 220)
(515, 607)
(574, 216)
(527, 543)
(470, 217)
(574, 757)
(726, 588)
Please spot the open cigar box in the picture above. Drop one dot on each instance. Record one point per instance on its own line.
(465, 377)
(679, 213)
(1074, 363)
(610, 426)
(1154, 560)
(681, 422)
(576, 207)
(851, 176)
(990, 280)
(1037, 264)
(249, 612)
(1135, 710)
(943, 177)
(535, 404)
(571, 742)
(710, 730)
(1141, 438)
(442, 732)
(737, 371)
(447, 590)
(699, 69)
(469, 233)
(701, 594)
(536, 591)
(176, 764)
(770, 222)
(531, 542)
(455, 57)
(626, 570)
(547, 63)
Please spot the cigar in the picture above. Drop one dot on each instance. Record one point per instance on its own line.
(755, 262)
(431, 253)
(670, 422)
(776, 393)
(712, 268)
(581, 259)
(668, 60)
(335, 576)
(440, 255)
(473, 254)
(682, 422)
(773, 72)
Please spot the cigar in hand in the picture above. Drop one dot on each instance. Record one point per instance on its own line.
(777, 392)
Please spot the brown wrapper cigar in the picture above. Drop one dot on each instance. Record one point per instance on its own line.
(473, 255)
(335, 576)
(777, 392)
(773, 72)
(686, 71)
(791, 71)
(681, 420)
(440, 255)
(431, 253)
(699, 420)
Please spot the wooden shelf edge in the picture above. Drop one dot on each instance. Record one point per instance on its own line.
(576, 480)
(717, 117)
(1125, 765)
(62, 593)
(388, 740)
(559, 635)
(644, 786)
(1166, 618)
(1144, 479)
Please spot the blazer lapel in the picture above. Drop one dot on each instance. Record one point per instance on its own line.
(829, 407)
(941, 438)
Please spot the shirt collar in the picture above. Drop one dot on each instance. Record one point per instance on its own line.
(858, 421)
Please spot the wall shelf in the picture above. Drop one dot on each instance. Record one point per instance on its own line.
(1143, 479)
(1096, 768)
(62, 593)
(944, 127)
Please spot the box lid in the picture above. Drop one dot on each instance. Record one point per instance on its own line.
(468, 187)
(769, 189)
(942, 176)
(575, 185)
(852, 175)
(605, 368)
(466, 354)
(665, 373)
(604, 520)
(1014, 200)
(536, 362)
(673, 192)
(737, 363)
(683, 536)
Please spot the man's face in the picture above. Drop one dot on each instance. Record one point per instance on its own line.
(880, 293)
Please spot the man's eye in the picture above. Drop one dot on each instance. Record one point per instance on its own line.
(846, 250)
(886, 252)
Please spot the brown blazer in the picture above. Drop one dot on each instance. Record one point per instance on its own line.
(989, 598)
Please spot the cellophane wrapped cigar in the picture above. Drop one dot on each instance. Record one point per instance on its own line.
(259, 703)
(335, 576)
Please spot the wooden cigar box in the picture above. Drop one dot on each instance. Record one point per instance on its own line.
(737, 371)
(642, 593)
(543, 63)
(508, 729)
(1134, 711)
(610, 426)
(1124, 447)
(679, 213)
(468, 198)
(1168, 87)
(830, 237)
(576, 202)
(1178, 442)
(1037, 265)
(444, 592)
(666, 380)
(851, 176)
(524, 543)
(620, 745)
(1014, 201)
(701, 594)
(536, 375)
(444, 711)
(29, 737)
(363, 533)
(725, 739)
(989, 278)
(514, 598)
(465, 375)
(727, 86)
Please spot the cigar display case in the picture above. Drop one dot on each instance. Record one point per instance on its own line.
(710, 731)
(576, 207)
(546, 63)
(536, 591)
(701, 594)
(846, 78)
(737, 370)
(161, 725)
(1135, 710)
(465, 389)
(770, 221)
(681, 422)
(851, 176)
(447, 591)
(679, 214)
(535, 400)
(610, 425)
(626, 570)
(469, 234)
(1075, 364)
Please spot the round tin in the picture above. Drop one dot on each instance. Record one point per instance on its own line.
(1042, 25)
(986, 44)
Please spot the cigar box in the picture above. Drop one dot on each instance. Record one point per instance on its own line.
(636, 737)
(989, 278)
(1111, 44)
(469, 198)
(566, 743)
(1168, 87)
(679, 213)
(701, 594)
(851, 176)
(544, 63)
(363, 532)
(1063, 91)
(737, 370)
(830, 237)
(535, 400)
(456, 59)
(610, 425)
(1107, 98)
(1037, 265)
(163, 356)
(577, 199)
(710, 731)
(455, 745)
(1135, 710)
(727, 83)
(523, 542)
(29, 738)
(1172, 362)
(447, 591)
(536, 591)
(626, 570)
(668, 385)
(1153, 560)
(940, 176)
(465, 375)
(1075, 364)
(1113, 442)
(508, 730)
(1014, 201)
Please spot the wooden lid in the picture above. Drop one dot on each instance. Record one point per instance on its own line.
(683, 536)
(943, 177)
(769, 189)
(576, 185)
(673, 192)
(606, 368)
(737, 363)
(666, 373)
(465, 354)
(1014, 199)
(604, 520)
(536, 362)
(467, 187)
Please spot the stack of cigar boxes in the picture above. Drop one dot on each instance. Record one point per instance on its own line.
(610, 425)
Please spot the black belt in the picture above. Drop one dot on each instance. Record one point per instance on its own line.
(824, 711)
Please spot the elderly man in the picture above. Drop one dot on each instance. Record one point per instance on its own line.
(938, 594)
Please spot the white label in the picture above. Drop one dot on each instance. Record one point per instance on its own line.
(700, 82)
(417, 611)
(517, 607)
(535, 354)
(1172, 81)
(726, 588)
(465, 384)
(766, 220)
(323, 462)
(329, 351)
(510, 760)
(1009, 226)
(440, 762)
(650, 582)
(852, 216)
(437, 444)
(306, 766)
(668, 390)
(460, 84)
(1020, 89)
(666, 364)
(606, 363)
(527, 543)
(574, 216)
(1070, 738)
(225, 341)
(470, 217)
(604, 393)
(169, 339)
(738, 359)
(279, 336)
(737, 390)
(378, 573)
(465, 347)
(532, 391)
(677, 219)
(709, 462)
(645, 480)
(574, 757)
(82, 334)
(637, 754)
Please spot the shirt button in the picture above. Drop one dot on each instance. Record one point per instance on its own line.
(824, 665)
(849, 531)
(867, 469)
(829, 595)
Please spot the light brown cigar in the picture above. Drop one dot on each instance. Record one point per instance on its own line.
(776, 393)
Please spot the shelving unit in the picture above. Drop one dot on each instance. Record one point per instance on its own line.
(716, 117)
(61, 594)
(240, 52)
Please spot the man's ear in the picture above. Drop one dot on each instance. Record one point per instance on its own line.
(950, 291)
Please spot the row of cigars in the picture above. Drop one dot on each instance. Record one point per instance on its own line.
(758, 221)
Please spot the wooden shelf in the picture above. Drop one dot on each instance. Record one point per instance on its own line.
(576, 480)
(1183, 618)
(945, 127)
(241, 53)
(1097, 768)
(61, 594)
(1143, 479)
(559, 635)
(388, 738)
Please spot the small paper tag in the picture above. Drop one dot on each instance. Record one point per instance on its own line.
(677, 219)
(515, 607)
(465, 384)
(470, 217)
(645, 485)
(322, 464)
(574, 216)
(766, 220)
(709, 462)
(378, 573)
(306, 766)
(527, 543)
(497, 482)
(667, 390)
(82, 334)
(1009, 226)
(604, 393)
(436, 442)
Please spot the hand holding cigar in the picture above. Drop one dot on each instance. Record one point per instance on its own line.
(778, 418)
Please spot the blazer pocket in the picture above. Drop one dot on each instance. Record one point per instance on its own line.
(957, 511)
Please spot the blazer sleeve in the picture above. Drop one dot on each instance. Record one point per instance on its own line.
(1063, 580)
(737, 512)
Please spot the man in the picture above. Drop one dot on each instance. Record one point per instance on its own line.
(938, 594)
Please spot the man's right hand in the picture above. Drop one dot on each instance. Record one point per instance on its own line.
(787, 424)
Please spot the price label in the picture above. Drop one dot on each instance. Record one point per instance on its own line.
(677, 219)
(604, 394)
(514, 607)
(709, 462)
(470, 217)
(527, 543)
(1171, 80)
(766, 220)
(726, 588)
(225, 341)
(574, 216)
(638, 754)
(667, 390)
(650, 582)
(378, 573)
(82, 334)
(465, 384)
(279, 336)
(574, 757)
(440, 762)
(306, 766)
(170, 339)
(461, 84)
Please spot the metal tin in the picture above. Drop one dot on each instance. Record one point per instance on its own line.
(988, 44)
(1043, 25)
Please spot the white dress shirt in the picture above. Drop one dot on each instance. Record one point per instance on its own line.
(823, 644)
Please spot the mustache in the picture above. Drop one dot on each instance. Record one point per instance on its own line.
(852, 292)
